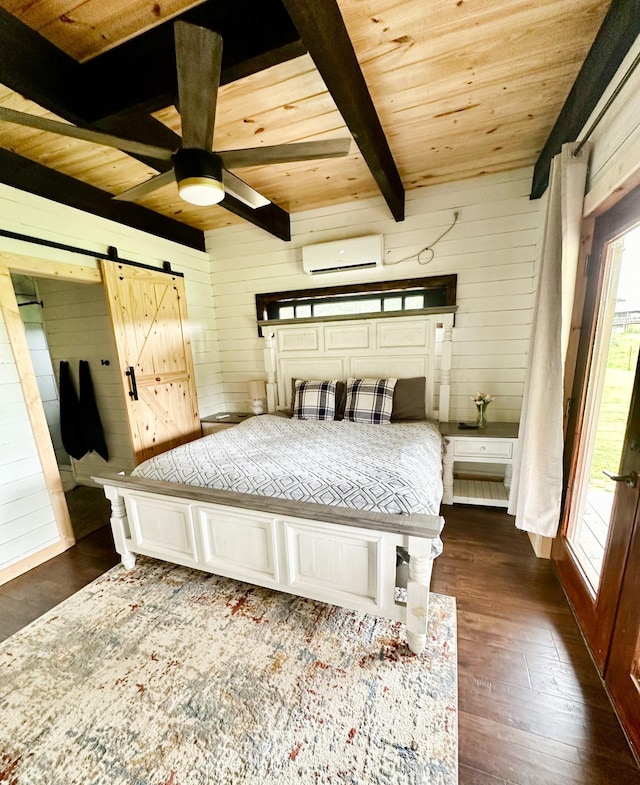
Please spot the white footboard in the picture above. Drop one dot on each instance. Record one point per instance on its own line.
(346, 558)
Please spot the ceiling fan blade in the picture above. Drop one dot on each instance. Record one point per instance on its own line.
(285, 153)
(147, 187)
(85, 134)
(198, 61)
(242, 191)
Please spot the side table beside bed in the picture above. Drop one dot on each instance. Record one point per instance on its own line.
(494, 444)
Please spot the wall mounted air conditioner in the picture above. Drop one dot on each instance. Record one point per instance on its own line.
(355, 253)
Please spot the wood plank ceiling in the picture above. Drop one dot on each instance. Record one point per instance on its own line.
(460, 87)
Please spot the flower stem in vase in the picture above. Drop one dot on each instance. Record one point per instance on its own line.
(482, 400)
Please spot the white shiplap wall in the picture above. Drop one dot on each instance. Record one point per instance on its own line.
(27, 522)
(493, 248)
(24, 531)
(31, 315)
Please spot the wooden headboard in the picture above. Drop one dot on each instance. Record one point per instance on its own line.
(383, 347)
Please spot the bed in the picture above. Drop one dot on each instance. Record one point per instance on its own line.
(316, 509)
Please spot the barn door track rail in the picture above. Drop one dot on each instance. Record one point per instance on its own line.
(111, 255)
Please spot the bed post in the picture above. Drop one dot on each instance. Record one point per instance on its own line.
(119, 526)
(445, 367)
(270, 368)
(420, 565)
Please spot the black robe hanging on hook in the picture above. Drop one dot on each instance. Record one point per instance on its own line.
(91, 423)
(71, 426)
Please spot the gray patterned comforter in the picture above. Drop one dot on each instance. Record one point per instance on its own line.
(393, 468)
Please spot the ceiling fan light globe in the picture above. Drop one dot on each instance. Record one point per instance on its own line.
(201, 191)
(199, 176)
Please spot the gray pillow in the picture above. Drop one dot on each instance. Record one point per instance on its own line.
(408, 399)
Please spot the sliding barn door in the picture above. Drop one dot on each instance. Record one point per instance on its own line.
(149, 318)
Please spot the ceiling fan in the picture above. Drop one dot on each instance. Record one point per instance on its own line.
(203, 176)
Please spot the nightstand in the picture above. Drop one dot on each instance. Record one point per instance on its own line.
(494, 444)
(222, 420)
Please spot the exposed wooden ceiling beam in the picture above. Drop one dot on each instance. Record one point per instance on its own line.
(271, 218)
(140, 76)
(34, 178)
(55, 81)
(324, 34)
(619, 30)
(35, 68)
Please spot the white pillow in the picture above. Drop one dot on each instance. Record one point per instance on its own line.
(369, 400)
(314, 400)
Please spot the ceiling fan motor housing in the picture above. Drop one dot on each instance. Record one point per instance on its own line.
(199, 176)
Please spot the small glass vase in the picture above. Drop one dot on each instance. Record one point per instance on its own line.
(481, 420)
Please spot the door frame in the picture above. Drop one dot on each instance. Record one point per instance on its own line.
(40, 268)
(591, 612)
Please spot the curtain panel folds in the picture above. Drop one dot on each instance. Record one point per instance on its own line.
(536, 486)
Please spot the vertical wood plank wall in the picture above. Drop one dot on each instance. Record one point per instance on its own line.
(25, 533)
(493, 249)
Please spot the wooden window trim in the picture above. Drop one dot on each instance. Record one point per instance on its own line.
(266, 300)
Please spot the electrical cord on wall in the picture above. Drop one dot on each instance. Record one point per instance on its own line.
(428, 248)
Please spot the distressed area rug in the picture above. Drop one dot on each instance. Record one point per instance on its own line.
(168, 676)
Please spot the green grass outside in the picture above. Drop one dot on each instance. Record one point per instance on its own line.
(614, 408)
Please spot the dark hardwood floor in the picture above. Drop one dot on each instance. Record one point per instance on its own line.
(25, 598)
(532, 708)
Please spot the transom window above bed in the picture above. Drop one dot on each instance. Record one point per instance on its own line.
(384, 298)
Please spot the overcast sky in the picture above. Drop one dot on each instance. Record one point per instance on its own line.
(629, 285)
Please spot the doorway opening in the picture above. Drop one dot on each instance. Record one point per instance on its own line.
(67, 320)
(30, 306)
(610, 390)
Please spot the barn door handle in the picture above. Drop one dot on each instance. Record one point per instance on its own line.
(133, 392)
(628, 479)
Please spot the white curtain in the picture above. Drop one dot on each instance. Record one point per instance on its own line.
(536, 484)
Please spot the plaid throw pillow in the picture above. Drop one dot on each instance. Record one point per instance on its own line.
(314, 400)
(369, 400)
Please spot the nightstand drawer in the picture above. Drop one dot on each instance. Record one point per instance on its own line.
(482, 448)
(211, 427)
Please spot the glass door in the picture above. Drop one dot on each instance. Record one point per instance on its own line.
(601, 494)
(609, 394)
(622, 670)
(597, 554)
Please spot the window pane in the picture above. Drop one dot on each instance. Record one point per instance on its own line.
(286, 312)
(393, 304)
(346, 307)
(303, 311)
(414, 301)
(608, 406)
